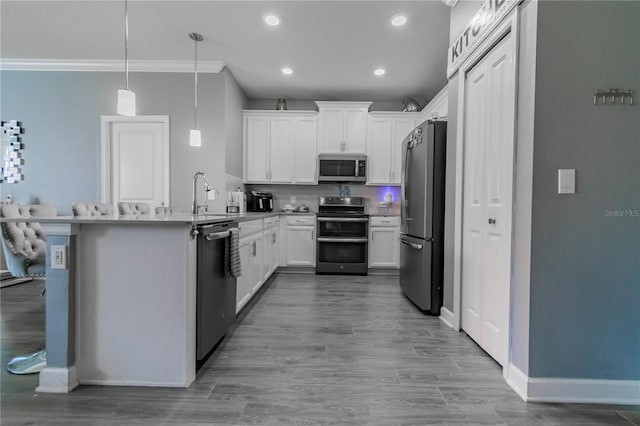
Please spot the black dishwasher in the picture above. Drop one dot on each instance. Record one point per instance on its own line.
(216, 288)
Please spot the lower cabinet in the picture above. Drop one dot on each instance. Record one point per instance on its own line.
(250, 261)
(384, 242)
(259, 254)
(271, 245)
(299, 240)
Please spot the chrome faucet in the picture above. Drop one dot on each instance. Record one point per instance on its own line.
(195, 207)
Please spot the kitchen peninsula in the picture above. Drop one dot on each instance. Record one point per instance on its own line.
(121, 310)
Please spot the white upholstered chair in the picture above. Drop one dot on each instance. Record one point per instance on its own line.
(92, 209)
(24, 246)
(133, 208)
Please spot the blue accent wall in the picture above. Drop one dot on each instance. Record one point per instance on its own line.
(585, 259)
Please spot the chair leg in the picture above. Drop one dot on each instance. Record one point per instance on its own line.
(28, 364)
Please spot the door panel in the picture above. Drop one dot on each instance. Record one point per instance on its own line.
(379, 162)
(281, 158)
(305, 146)
(139, 158)
(487, 198)
(415, 270)
(355, 122)
(256, 149)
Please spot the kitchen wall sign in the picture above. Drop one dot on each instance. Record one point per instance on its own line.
(481, 24)
(10, 146)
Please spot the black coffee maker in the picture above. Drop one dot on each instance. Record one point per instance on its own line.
(259, 201)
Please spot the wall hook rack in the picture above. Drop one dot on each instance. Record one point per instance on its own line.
(610, 96)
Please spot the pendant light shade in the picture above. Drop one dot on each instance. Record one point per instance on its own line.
(126, 102)
(195, 137)
(126, 98)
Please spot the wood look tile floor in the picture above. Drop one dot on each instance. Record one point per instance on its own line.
(308, 350)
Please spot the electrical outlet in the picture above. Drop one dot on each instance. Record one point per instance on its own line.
(211, 195)
(58, 257)
(293, 199)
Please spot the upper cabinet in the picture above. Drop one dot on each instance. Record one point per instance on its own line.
(438, 107)
(342, 127)
(386, 131)
(280, 147)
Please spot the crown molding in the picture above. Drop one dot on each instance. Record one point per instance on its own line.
(212, 67)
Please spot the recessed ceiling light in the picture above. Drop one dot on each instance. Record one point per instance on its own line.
(398, 20)
(287, 71)
(272, 20)
(380, 71)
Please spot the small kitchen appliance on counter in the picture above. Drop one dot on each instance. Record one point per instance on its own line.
(259, 201)
(343, 236)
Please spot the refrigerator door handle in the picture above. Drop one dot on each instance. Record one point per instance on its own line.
(404, 205)
(412, 245)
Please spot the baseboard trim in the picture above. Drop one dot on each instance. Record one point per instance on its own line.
(57, 380)
(517, 380)
(134, 383)
(584, 391)
(446, 316)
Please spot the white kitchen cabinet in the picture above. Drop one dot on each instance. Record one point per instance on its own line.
(385, 133)
(384, 242)
(299, 240)
(280, 147)
(343, 127)
(271, 246)
(306, 144)
(437, 108)
(256, 148)
(250, 261)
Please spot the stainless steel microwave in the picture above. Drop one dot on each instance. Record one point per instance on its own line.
(342, 168)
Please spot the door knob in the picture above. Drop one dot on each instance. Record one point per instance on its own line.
(492, 221)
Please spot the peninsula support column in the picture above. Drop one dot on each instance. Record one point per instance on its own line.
(60, 376)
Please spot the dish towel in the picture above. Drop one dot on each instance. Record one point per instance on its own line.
(233, 255)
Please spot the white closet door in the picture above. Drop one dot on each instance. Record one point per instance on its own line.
(139, 163)
(488, 184)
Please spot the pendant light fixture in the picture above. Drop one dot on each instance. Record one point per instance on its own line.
(195, 137)
(126, 98)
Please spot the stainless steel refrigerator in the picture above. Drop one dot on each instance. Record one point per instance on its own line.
(422, 215)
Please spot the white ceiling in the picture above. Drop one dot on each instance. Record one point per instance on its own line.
(333, 46)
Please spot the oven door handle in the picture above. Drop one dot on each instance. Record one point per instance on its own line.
(343, 219)
(341, 240)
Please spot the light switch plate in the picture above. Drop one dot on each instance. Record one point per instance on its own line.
(58, 257)
(292, 200)
(566, 181)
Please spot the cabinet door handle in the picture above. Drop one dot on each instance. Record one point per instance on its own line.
(312, 235)
(255, 250)
(273, 240)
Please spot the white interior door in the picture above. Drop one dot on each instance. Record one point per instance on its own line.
(136, 161)
(489, 115)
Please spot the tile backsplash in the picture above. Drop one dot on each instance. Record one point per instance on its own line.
(308, 195)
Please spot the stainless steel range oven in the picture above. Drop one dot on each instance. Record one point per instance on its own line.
(343, 236)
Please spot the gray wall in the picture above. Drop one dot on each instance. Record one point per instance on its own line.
(235, 102)
(61, 114)
(585, 270)
(576, 268)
